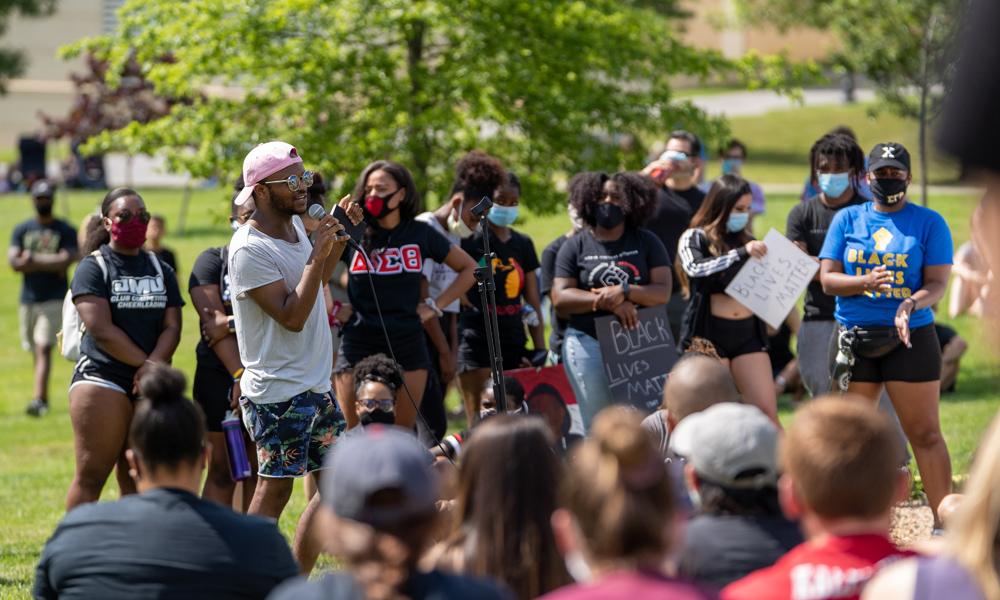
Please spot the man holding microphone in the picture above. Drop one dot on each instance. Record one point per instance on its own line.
(281, 325)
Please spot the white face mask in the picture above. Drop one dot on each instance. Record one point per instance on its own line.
(577, 567)
(457, 226)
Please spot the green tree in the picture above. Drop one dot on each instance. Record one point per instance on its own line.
(902, 46)
(12, 61)
(551, 86)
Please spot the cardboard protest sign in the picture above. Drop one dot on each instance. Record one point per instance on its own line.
(637, 361)
(548, 394)
(771, 286)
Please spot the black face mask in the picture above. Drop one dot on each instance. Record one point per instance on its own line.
(43, 210)
(378, 416)
(609, 215)
(888, 192)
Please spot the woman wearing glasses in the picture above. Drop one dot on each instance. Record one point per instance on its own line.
(130, 306)
(397, 245)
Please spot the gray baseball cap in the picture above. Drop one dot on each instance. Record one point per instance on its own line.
(380, 459)
(730, 444)
(42, 189)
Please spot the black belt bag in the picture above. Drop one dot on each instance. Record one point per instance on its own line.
(866, 342)
(874, 342)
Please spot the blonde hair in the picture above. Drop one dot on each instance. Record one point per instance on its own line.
(972, 539)
(618, 489)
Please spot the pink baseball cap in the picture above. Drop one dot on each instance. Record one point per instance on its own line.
(266, 159)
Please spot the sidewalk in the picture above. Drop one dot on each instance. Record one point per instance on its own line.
(749, 104)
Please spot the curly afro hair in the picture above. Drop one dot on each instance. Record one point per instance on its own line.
(478, 174)
(638, 193)
(380, 368)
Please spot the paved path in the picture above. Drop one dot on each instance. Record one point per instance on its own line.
(748, 104)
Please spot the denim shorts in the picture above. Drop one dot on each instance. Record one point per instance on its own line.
(293, 436)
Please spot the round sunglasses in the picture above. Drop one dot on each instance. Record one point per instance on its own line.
(296, 182)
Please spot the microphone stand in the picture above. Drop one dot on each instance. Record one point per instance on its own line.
(488, 301)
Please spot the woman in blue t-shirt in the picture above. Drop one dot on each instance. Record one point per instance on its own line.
(397, 245)
(888, 262)
(612, 267)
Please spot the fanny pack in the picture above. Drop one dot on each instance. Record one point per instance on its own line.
(874, 342)
(866, 342)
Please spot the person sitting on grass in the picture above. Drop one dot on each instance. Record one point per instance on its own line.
(841, 460)
(695, 383)
(165, 542)
(732, 470)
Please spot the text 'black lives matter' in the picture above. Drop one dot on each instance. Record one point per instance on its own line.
(637, 361)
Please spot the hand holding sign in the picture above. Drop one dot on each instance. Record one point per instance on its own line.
(771, 285)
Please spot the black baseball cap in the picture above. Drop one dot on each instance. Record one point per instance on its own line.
(42, 189)
(890, 154)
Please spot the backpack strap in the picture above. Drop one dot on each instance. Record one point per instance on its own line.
(99, 258)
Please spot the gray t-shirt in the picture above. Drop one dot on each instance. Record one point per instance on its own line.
(656, 424)
(439, 276)
(280, 363)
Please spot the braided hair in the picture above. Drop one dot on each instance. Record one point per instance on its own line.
(837, 148)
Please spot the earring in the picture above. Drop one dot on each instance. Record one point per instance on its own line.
(134, 474)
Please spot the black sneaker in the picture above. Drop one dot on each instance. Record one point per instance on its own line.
(38, 408)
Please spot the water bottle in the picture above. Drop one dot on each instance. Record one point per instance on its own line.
(239, 464)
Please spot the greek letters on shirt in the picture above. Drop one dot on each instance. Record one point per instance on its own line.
(138, 293)
(390, 261)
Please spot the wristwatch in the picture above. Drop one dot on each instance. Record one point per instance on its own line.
(626, 288)
(431, 303)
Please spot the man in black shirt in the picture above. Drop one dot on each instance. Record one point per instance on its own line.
(42, 249)
(678, 199)
(837, 163)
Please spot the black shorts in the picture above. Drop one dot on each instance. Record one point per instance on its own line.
(474, 350)
(361, 341)
(87, 372)
(735, 337)
(212, 386)
(919, 364)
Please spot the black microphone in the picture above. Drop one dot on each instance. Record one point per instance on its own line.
(317, 212)
(484, 205)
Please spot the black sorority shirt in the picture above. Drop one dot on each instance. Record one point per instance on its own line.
(138, 298)
(397, 269)
(672, 216)
(515, 261)
(211, 268)
(596, 264)
(43, 239)
(808, 223)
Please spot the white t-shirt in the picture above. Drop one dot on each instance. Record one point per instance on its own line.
(279, 363)
(439, 276)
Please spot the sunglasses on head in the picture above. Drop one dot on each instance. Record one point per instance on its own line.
(126, 215)
(386, 404)
(296, 182)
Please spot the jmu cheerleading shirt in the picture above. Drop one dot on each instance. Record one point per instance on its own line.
(137, 295)
(397, 261)
(905, 242)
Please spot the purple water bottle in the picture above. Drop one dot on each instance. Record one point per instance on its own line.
(239, 464)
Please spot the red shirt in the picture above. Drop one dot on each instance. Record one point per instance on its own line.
(833, 568)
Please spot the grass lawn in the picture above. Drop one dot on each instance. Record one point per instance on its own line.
(36, 456)
(778, 142)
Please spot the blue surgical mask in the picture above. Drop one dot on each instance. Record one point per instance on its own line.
(731, 165)
(502, 216)
(833, 184)
(737, 222)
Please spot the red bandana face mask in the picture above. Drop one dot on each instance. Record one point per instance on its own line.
(130, 234)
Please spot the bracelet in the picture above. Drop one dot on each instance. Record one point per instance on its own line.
(913, 301)
(626, 288)
(231, 322)
(237, 374)
(431, 303)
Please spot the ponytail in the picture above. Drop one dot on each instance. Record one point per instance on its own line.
(167, 429)
(619, 490)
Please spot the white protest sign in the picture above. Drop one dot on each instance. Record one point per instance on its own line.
(771, 286)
